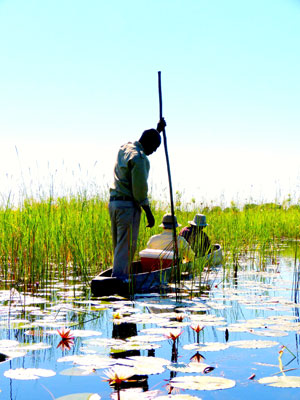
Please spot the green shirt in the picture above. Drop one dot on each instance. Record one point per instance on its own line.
(131, 173)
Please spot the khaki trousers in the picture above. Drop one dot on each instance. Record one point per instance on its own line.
(125, 222)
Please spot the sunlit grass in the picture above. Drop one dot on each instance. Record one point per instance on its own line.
(69, 237)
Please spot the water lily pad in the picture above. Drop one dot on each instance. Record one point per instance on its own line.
(286, 326)
(17, 323)
(135, 394)
(51, 324)
(207, 321)
(281, 381)
(127, 346)
(92, 360)
(146, 338)
(35, 332)
(84, 333)
(80, 396)
(6, 343)
(174, 324)
(139, 318)
(177, 397)
(218, 306)
(78, 371)
(202, 382)
(154, 331)
(12, 349)
(188, 368)
(208, 346)
(28, 373)
(152, 360)
(146, 365)
(34, 346)
(253, 344)
(103, 342)
(13, 353)
(159, 308)
(268, 332)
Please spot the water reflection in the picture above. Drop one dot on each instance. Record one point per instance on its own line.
(236, 311)
(123, 331)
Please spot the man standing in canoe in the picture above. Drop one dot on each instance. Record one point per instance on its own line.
(129, 194)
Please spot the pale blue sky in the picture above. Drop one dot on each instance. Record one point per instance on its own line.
(79, 78)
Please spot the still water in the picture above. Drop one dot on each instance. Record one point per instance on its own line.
(247, 341)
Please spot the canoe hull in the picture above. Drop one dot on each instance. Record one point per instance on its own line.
(215, 258)
(144, 282)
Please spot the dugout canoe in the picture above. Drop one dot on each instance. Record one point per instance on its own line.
(140, 281)
(215, 257)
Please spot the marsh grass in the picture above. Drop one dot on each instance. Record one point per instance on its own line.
(46, 239)
(69, 237)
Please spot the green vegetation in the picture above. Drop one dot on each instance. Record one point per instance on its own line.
(70, 237)
(46, 239)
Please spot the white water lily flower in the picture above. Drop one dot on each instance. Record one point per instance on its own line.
(118, 374)
(28, 373)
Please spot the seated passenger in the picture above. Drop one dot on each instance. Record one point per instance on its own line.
(164, 241)
(196, 237)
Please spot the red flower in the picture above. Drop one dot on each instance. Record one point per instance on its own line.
(197, 328)
(65, 334)
(197, 357)
(174, 335)
(67, 341)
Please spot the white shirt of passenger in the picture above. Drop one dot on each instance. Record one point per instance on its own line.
(164, 241)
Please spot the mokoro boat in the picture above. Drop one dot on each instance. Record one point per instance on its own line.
(139, 282)
(144, 282)
(215, 257)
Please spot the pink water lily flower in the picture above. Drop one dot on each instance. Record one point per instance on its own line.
(174, 335)
(197, 328)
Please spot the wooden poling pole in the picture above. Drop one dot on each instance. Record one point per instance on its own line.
(170, 181)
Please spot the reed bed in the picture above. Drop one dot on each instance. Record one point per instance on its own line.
(69, 237)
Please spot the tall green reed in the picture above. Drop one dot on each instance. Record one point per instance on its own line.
(69, 237)
(46, 239)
